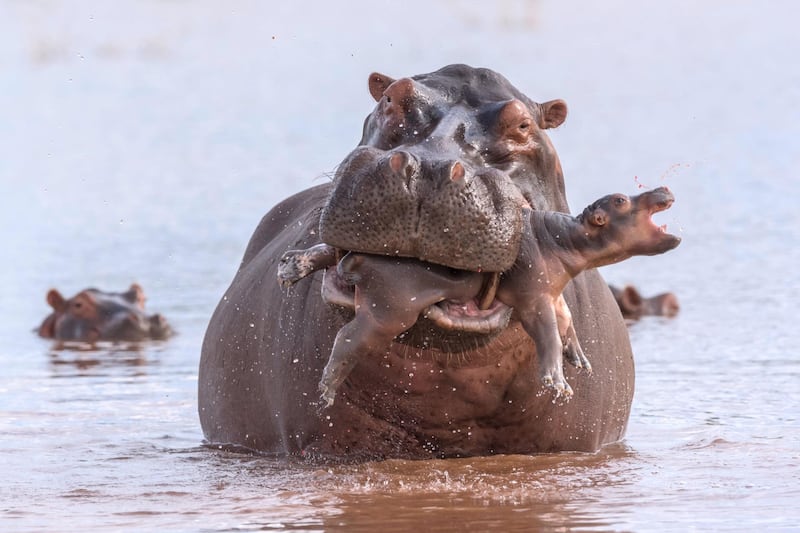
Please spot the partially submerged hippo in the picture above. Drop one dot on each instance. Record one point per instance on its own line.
(634, 306)
(93, 315)
(390, 293)
(467, 151)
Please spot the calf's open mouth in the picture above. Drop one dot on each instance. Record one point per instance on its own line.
(657, 201)
(483, 314)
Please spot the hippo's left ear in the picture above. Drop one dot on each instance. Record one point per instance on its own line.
(553, 114)
(378, 83)
(598, 217)
(56, 301)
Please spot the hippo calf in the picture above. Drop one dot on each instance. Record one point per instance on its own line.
(634, 306)
(390, 293)
(93, 315)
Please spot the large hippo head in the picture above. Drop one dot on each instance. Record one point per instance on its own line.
(445, 162)
(93, 315)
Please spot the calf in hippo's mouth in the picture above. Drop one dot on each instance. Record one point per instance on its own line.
(389, 294)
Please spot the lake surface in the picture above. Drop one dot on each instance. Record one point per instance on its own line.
(143, 141)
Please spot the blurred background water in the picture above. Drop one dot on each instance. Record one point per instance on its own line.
(142, 141)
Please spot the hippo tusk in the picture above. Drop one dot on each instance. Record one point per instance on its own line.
(486, 296)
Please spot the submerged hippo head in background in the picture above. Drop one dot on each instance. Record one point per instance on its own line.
(446, 165)
(634, 306)
(93, 315)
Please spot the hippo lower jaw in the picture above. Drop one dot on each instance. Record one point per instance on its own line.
(448, 315)
(469, 317)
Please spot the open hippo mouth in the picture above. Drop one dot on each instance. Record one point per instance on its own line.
(655, 201)
(482, 314)
(650, 203)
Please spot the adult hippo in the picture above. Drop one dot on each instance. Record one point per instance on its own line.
(468, 153)
(94, 316)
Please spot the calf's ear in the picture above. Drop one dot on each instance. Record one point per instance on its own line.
(56, 301)
(598, 217)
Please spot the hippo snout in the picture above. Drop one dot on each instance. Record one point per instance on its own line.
(408, 203)
(159, 327)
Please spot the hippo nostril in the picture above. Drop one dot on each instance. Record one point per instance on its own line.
(403, 164)
(397, 161)
(457, 172)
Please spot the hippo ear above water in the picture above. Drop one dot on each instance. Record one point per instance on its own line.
(56, 301)
(554, 113)
(378, 83)
(135, 295)
(630, 300)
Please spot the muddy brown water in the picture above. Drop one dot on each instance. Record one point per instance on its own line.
(143, 142)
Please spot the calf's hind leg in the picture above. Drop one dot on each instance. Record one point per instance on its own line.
(573, 352)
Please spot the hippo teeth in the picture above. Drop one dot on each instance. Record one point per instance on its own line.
(488, 291)
(663, 228)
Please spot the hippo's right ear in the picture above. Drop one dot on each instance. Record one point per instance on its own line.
(56, 301)
(554, 113)
(377, 84)
(135, 295)
(598, 217)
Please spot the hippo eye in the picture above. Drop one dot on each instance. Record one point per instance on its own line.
(525, 125)
(388, 99)
(620, 201)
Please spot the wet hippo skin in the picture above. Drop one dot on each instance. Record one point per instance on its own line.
(467, 152)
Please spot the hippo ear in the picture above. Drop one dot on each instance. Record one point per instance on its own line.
(554, 113)
(378, 83)
(598, 217)
(135, 295)
(56, 301)
(630, 298)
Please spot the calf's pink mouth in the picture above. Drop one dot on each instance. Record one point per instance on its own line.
(447, 315)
